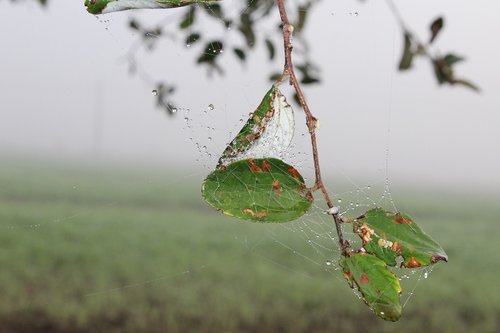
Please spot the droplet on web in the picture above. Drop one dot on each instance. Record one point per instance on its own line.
(211, 107)
(328, 262)
(154, 92)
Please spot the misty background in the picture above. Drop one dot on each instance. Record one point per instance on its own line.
(65, 92)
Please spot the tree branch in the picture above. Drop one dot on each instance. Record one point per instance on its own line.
(311, 121)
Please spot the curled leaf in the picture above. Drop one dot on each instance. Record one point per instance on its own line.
(263, 190)
(267, 132)
(378, 286)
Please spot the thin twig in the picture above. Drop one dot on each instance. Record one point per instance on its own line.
(310, 119)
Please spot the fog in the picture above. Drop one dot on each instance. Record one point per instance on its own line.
(65, 91)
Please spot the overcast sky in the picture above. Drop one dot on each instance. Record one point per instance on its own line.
(65, 91)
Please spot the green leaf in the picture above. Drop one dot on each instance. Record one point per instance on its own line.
(188, 19)
(407, 57)
(389, 235)
(261, 189)
(192, 38)
(379, 287)
(267, 132)
(436, 27)
(451, 59)
(443, 71)
(246, 28)
(107, 6)
(211, 52)
(213, 9)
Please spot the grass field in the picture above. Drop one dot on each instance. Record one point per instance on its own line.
(102, 249)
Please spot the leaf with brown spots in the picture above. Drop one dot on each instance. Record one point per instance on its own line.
(266, 167)
(254, 167)
(258, 189)
(379, 287)
(276, 188)
(389, 235)
(294, 172)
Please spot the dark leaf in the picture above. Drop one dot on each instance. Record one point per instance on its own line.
(296, 99)
(407, 57)
(189, 18)
(270, 49)
(436, 27)
(240, 53)
(443, 71)
(192, 38)
(133, 24)
(246, 28)
(211, 52)
(214, 10)
(309, 80)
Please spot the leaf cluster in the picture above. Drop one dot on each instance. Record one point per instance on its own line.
(443, 65)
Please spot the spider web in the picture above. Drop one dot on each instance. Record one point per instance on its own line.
(312, 239)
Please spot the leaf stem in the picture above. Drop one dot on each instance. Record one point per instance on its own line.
(310, 119)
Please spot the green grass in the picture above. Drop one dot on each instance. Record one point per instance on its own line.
(102, 249)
